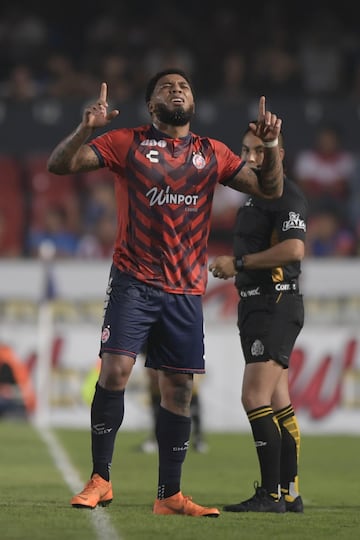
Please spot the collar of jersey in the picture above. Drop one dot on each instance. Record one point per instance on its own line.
(161, 135)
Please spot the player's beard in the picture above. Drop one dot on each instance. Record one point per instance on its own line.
(176, 117)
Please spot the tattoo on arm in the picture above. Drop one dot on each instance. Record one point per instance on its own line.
(266, 182)
(73, 155)
(272, 173)
(244, 181)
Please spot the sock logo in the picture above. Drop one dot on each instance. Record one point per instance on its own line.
(182, 448)
(100, 429)
(260, 443)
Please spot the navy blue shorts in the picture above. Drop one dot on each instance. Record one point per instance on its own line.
(138, 317)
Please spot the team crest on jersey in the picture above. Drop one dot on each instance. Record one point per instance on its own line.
(105, 335)
(257, 348)
(294, 222)
(198, 160)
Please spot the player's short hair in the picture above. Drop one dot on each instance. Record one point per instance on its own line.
(170, 71)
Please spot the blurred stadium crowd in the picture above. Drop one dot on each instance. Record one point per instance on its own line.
(279, 48)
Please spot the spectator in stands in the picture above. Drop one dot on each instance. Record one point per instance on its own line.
(99, 201)
(328, 236)
(320, 53)
(56, 232)
(323, 171)
(21, 85)
(233, 79)
(64, 81)
(99, 243)
(8, 248)
(275, 66)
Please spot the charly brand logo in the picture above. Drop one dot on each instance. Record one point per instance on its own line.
(294, 222)
(100, 429)
(161, 197)
(182, 448)
(153, 156)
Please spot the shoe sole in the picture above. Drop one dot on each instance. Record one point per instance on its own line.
(174, 513)
(190, 515)
(100, 503)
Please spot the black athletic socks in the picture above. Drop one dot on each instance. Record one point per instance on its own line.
(267, 438)
(107, 413)
(173, 435)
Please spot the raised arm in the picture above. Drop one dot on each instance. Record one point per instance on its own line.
(267, 182)
(72, 154)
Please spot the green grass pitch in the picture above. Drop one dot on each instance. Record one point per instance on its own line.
(34, 495)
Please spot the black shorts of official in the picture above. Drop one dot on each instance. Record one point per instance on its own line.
(139, 317)
(269, 325)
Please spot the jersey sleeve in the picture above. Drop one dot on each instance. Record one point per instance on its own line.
(112, 147)
(291, 221)
(229, 163)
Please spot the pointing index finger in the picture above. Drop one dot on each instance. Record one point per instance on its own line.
(261, 114)
(103, 92)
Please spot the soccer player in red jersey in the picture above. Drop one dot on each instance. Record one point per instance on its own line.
(165, 177)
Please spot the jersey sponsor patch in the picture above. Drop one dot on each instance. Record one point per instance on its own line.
(160, 197)
(294, 222)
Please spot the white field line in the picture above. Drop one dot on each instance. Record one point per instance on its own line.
(99, 517)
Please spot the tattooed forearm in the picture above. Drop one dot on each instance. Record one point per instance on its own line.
(63, 159)
(266, 182)
(244, 181)
(272, 174)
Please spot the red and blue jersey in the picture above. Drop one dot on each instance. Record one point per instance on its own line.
(164, 189)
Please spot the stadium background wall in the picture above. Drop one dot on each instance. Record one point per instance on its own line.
(58, 341)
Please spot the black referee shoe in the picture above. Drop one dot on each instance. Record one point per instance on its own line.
(295, 506)
(260, 502)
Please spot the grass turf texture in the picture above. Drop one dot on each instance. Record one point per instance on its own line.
(34, 498)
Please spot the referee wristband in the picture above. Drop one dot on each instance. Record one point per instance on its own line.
(271, 144)
(239, 264)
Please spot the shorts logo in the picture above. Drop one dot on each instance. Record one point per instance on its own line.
(257, 348)
(105, 335)
(198, 161)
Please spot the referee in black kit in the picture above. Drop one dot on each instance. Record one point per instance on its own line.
(269, 245)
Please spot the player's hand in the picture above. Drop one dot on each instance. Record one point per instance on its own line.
(268, 125)
(223, 267)
(97, 115)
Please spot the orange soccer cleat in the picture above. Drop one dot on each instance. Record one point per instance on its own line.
(180, 505)
(96, 492)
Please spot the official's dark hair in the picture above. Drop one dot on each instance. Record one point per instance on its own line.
(170, 71)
